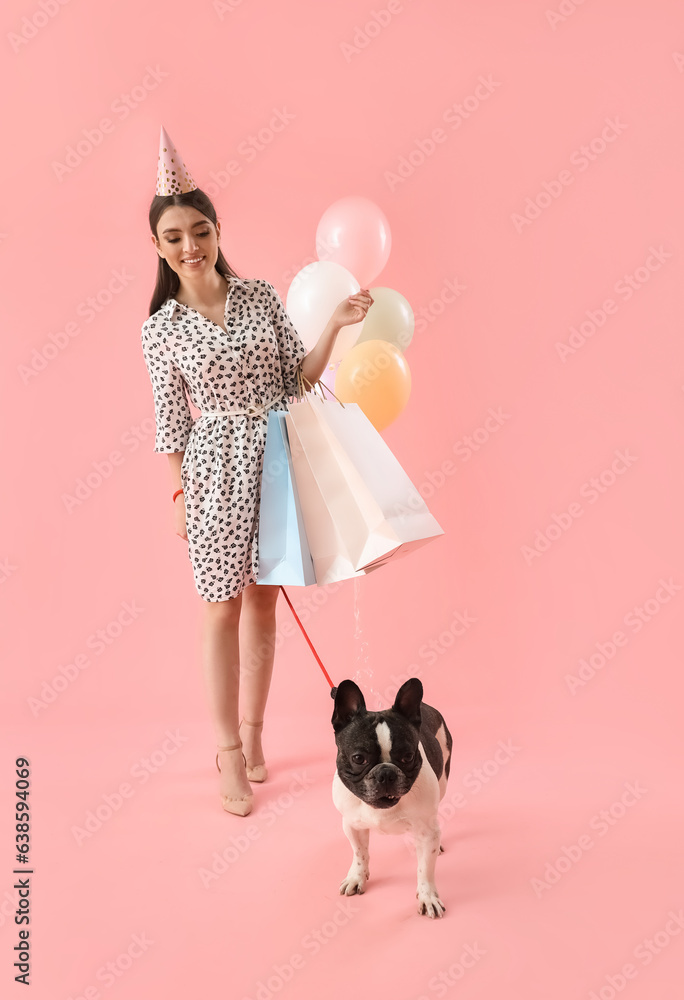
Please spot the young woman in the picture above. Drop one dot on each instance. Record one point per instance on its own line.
(230, 343)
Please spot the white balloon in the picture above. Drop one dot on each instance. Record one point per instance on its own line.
(312, 298)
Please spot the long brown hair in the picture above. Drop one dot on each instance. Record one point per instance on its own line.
(167, 280)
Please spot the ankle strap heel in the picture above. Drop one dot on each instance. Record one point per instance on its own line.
(237, 746)
(238, 805)
(255, 772)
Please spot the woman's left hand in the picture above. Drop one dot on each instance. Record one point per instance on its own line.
(353, 309)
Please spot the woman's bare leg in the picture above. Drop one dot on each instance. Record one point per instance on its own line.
(258, 649)
(221, 661)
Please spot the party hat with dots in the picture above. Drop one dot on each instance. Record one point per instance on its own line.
(172, 174)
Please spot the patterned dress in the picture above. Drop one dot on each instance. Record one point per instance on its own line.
(234, 379)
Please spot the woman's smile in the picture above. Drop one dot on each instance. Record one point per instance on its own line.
(193, 262)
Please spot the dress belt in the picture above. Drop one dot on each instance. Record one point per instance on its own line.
(253, 411)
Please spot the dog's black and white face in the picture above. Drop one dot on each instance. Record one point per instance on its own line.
(378, 758)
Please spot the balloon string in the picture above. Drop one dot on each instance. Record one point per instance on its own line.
(320, 662)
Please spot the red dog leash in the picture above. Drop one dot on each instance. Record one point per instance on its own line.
(320, 662)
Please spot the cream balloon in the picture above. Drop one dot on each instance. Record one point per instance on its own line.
(354, 232)
(390, 318)
(312, 298)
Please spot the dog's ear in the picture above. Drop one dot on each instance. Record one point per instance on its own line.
(348, 703)
(407, 702)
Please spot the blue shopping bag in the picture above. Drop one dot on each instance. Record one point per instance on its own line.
(284, 556)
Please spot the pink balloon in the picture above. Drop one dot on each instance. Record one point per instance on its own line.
(355, 233)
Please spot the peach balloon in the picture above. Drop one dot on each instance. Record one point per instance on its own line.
(355, 233)
(375, 375)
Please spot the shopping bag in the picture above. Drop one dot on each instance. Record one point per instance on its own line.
(328, 550)
(372, 502)
(362, 528)
(284, 555)
(403, 508)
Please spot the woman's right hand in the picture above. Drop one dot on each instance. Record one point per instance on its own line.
(179, 516)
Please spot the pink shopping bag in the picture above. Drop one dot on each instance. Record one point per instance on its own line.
(356, 515)
(327, 547)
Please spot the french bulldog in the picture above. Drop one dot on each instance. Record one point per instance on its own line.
(392, 770)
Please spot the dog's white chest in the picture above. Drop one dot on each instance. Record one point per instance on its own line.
(416, 807)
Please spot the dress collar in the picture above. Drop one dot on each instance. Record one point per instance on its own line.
(169, 308)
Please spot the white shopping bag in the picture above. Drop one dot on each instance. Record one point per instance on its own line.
(403, 509)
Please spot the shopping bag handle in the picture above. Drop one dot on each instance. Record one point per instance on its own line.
(302, 378)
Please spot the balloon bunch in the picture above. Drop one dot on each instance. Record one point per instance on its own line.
(353, 243)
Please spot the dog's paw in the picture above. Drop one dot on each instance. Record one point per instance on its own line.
(353, 883)
(429, 902)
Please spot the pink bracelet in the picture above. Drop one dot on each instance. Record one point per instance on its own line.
(176, 494)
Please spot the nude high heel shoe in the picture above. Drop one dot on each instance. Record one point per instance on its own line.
(258, 772)
(238, 805)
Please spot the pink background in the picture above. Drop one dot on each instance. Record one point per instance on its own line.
(502, 681)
